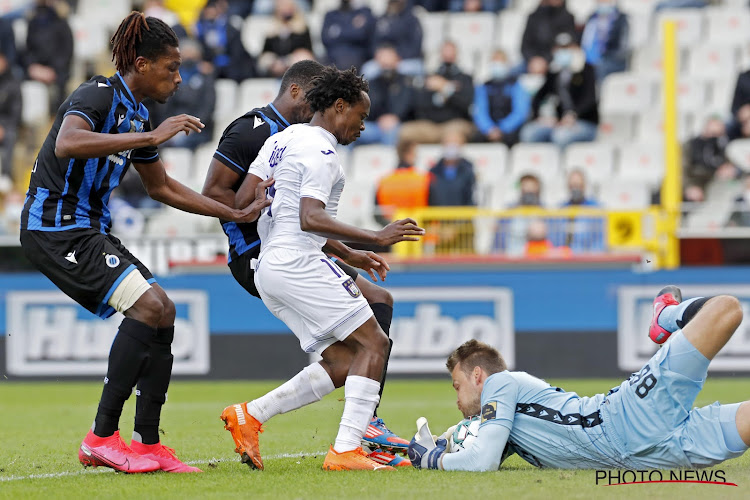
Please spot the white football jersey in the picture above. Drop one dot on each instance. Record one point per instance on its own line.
(303, 161)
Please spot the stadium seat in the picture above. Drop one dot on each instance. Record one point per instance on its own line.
(433, 30)
(473, 32)
(595, 159)
(641, 163)
(315, 25)
(201, 160)
(650, 61)
(581, 10)
(692, 95)
(619, 195)
(722, 93)
(728, 24)
(637, 7)
(107, 13)
(525, 7)
(712, 59)
(738, 152)
(689, 25)
(370, 163)
(489, 162)
(178, 162)
(640, 29)
(253, 33)
(35, 96)
(226, 108)
(90, 39)
(542, 160)
(651, 125)
(170, 222)
(509, 33)
(322, 6)
(255, 92)
(357, 203)
(427, 156)
(615, 128)
(626, 93)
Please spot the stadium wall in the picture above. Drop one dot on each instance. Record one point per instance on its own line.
(554, 323)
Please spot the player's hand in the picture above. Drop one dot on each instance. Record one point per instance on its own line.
(176, 124)
(261, 201)
(423, 457)
(374, 264)
(400, 230)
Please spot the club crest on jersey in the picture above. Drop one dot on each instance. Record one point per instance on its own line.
(489, 411)
(112, 260)
(352, 288)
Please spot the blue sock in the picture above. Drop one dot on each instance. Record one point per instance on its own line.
(670, 315)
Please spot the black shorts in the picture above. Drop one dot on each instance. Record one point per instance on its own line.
(245, 275)
(84, 263)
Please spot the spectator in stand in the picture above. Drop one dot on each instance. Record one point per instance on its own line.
(221, 43)
(582, 233)
(157, 9)
(399, 27)
(49, 48)
(10, 119)
(405, 187)
(196, 96)
(705, 158)
(606, 38)
(266, 7)
(511, 236)
(741, 215)
(548, 20)
(8, 45)
(442, 102)
(288, 33)
(391, 95)
(739, 127)
(538, 242)
(571, 89)
(347, 34)
(501, 105)
(530, 191)
(452, 181)
(462, 5)
(535, 76)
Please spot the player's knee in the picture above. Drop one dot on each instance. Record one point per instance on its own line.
(169, 312)
(732, 309)
(148, 309)
(380, 342)
(381, 296)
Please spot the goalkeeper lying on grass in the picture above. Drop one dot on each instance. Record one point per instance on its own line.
(645, 423)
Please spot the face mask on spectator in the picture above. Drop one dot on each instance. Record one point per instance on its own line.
(499, 70)
(562, 58)
(531, 83)
(529, 199)
(451, 151)
(576, 196)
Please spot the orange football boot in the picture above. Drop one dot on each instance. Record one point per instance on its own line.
(355, 459)
(244, 429)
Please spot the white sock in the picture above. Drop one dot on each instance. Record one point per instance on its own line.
(362, 397)
(308, 386)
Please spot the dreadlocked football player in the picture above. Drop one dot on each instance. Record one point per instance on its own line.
(99, 130)
(238, 148)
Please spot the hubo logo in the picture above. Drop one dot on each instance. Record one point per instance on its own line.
(429, 323)
(635, 308)
(49, 334)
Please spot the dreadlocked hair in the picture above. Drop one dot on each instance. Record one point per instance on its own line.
(333, 84)
(139, 35)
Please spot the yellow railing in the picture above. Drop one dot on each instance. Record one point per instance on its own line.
(531, 231)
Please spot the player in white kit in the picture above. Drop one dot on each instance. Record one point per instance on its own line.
(301, 286)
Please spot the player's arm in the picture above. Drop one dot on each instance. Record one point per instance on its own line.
(362, 259)
(219, 183)
(314, 219)
(163, 188)
(485, 454)
(77, 138)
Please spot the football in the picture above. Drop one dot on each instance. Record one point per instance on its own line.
(464, 434)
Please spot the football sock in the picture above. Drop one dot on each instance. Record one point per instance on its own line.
(692, 310)
(152, 387)
(361, 396)
(308, 386)
(126, 358)
(383, 315)
(672, 318)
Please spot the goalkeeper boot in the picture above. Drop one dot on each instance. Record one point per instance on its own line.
(244, 429)
(667, 296)
(385, 458)
(378, 435)
(355, 459)
(112, 452)
(164, 455)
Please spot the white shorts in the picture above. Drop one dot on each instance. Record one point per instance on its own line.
(312, 295)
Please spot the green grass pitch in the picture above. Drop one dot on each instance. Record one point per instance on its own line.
(42, 424)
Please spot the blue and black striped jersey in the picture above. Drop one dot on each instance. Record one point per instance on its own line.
(238, 147)
(67, 193)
